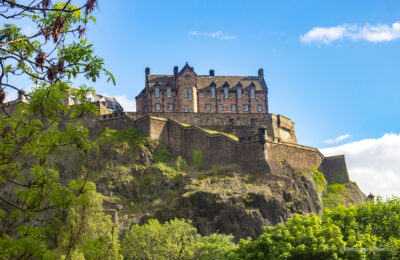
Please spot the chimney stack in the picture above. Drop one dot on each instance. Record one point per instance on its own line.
(212, 73)
(147, 71)
(21, 96)
(261, 73)
(176, 72)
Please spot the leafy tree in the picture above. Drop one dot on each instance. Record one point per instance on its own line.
(364, 231)
(216, 247)
(175, 239)
(42, 215)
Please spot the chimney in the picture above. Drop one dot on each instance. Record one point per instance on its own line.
(147, 71)
(21, 96)
(261, 73)
(212, 74)
(176, 72)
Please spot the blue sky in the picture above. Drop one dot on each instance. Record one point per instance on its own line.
(333, 67)
(346, 87)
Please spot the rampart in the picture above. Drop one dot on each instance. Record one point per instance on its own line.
(241, 125)
(259, 152)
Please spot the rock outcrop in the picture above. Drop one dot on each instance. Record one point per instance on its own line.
(140, 180)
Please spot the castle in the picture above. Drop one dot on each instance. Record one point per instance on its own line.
(226, 117)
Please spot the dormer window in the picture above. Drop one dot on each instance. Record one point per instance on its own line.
(157, 92)
(239, 93)
(168, 92)
(212, 92)
(252, 93)
(226, 92)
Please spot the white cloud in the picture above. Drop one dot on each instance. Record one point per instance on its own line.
(126, 103)
(370, 33)
(216, 35)
(373, 163)
(337, 139)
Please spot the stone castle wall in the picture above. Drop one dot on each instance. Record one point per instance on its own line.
(256, 153)
(241, 125)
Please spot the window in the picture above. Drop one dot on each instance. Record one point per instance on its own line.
(90, 99)
(158, 107)
(233, 107)
(220, 107)
(168, 92)
(252, 93)
(191, 110)
(259, 108)
(226, 92)
(170, 106)
(190, 94)
(185, 93)
(212, 92)
(187, 76)
(186, 109)
(239, 93)
(157, 93)
(208, 107)
(246, 108)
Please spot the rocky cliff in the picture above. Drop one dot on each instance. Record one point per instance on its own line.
(140, 180)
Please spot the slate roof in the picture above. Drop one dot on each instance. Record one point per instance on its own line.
(204, 82)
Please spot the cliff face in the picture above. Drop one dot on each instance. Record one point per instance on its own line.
(140, 180)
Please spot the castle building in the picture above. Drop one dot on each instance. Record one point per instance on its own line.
(185, 91)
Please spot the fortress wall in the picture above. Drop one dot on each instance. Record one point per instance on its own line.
(216, 149)
(335, 170)
(299, 157)
(241, 125)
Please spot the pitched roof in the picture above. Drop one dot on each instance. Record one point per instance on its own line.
(161, 80)
(206, 81)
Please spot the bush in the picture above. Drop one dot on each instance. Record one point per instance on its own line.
(175, 239)
(197, 158)
(363, 231)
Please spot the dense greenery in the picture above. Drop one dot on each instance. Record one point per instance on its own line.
(43, 216)
(363, 231)
(175, 239)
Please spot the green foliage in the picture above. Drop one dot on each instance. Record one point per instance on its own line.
(197, 158)
(42, 215)
(175, 239)
(181, 164)
(335, 195)
(363, 231)
(216, 247)
(161, 155)
(319, 180)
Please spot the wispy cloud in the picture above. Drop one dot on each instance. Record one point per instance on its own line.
(373, 163)
(337, 139)
(371, 33)
(216, 35)
(126, 103)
